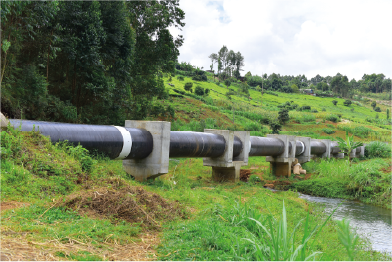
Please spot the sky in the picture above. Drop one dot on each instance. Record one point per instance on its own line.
(310, 37)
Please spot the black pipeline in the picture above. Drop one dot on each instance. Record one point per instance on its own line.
(132, 143)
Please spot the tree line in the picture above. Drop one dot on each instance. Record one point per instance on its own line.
(86, 61)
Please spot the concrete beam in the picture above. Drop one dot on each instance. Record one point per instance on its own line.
(157, 163)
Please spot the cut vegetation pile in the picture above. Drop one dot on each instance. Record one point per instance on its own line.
(132, 204)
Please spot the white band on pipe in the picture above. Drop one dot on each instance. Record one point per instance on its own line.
(127, 143)
(303, 147)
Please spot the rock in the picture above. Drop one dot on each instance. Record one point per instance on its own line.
(3, 122)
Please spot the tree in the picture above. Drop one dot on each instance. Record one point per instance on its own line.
(295, 88)
(334, 102)
(188, 86)
(373, 104)
(348, 145)
(347, 102)
(283, 117)
(340, 85)
(155, 51)
(199, 91)
(227, 82)
(377, 109)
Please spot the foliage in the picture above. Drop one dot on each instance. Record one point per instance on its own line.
(332, 118)
(188, 86)
(348, 145)
(334, 102)
(377, 149)
(227, 82)
(275, 127)
(348, 239)
(283, 117)
(199, 91)
(328, 131)
(377, 109)
(347, 102)
(180, 77)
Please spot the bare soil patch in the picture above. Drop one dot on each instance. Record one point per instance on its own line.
(12, 205)
(132, 204)
(244, 175)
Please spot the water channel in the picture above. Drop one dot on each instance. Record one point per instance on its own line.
(371, 222)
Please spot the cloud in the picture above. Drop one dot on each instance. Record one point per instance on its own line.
(292, 37)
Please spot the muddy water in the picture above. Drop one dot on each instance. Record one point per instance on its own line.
(371, 222)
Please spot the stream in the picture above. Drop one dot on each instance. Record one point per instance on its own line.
(371, 222)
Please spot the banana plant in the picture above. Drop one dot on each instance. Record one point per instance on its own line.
(348, 145)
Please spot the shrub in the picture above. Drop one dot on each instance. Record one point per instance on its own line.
(328, 131)
(314, 111)
(377, 109)
(347, 102)
(188, 86)
(361, 131)
(373, 104)
(199, 91)
(207, 91)
(377, 149)
(332, 118)
(334, 102)
(254, 178)
(306, 107)
(283, 116)
(170, 111)
(180, 78)
(323, 109)
(275, 127)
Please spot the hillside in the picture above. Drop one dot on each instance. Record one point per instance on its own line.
(253, 113)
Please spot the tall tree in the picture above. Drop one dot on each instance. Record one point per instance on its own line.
(156, 50)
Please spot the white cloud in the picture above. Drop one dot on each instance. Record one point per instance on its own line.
(292, 37)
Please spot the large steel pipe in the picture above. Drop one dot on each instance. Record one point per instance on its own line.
(317, 148)
(105, 139)
(199, 144)
(265, 146)
(334, 147)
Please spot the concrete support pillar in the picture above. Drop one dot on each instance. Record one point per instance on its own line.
(281, 164)
(338, 155)
(3, 121)
(157, 163)
(225, 167)
(362, 153)
(305, 156)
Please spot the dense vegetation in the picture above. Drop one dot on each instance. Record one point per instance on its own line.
(86, 61)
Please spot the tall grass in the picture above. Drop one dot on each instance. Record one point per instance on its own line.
(378, 149)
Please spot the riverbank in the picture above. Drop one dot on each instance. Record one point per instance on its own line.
(368, 181)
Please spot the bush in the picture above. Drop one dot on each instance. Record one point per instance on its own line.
(361, 131)
(188, 86)
(306, 108)
(314, 111)
(328, 131)
(180, 78)
(374, 104)
(332, 118)
(334, 102)
(377, 109)
(199, 78)
(347, 102)
(275, 127)
(283, 116)
(253, 179)
(199, 91)
(377, 149)
(207, 91)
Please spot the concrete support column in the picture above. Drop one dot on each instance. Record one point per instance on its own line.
(157, 163)
(305, 156)
(225, 167)
(281, 164)
(362, 153)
